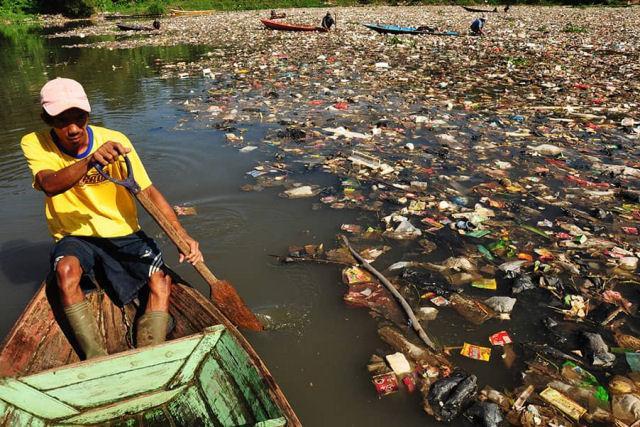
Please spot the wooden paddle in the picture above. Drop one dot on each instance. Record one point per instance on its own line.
(223, 294)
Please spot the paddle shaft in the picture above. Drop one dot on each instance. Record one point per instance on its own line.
(223, 294)
(174, 235)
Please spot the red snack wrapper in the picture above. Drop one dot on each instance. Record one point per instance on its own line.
(500, 338)
(385, 383)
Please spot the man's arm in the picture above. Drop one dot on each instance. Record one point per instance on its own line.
(158, 199)
(53, 183)
(57, 182)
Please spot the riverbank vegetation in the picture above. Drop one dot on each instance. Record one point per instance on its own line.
(16, 10)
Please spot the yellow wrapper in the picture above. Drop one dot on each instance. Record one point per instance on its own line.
(476, 352)
(485, 284)
(355, 275)
(417, 205)
(563, 403)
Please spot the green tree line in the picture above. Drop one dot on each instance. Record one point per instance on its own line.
(85, 8)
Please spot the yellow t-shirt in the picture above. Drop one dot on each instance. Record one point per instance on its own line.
(94, 206)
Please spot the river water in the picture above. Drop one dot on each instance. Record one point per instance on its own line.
(318, 356)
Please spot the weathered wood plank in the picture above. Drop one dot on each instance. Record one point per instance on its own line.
(124, 408)
(116, 364)
(28, 398)
(53, 351)
(188, 409)
(157, 417)
(182, 324)
(187, 308)
(126, 422)
(69, 358)
(234, 360)
(14, 417)
(25, 337)
(95, 301)
(276, 422)
(222, 395)
(204, 347)
(113, 326)
(5, 413)
(104, 390)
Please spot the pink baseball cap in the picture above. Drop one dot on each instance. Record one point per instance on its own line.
(61, 94)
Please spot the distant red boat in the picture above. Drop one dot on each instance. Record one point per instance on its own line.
(283, 26)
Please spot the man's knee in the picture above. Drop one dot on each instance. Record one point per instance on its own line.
(68, 272)
(160, 285)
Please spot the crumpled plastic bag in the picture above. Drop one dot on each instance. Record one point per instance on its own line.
(341, 131)
(405, 230)
(502, 305)
(626, 407)
(300, 192)
(545, 149)
(597, 351)
(512, 268)
(485, 414)
(523, 283)
(459, 263)
(450, 396)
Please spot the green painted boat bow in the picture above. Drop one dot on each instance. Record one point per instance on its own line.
(205, 379)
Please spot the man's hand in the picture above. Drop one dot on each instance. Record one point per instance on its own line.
(108, 153)
(195, 255)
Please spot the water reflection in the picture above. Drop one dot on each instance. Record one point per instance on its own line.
(116, 81)
(16, 261)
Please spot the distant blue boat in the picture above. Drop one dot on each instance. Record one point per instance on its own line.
(394, 29)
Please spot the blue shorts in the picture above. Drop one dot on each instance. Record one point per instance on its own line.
(122, 265)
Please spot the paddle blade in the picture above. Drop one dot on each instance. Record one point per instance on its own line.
(229, 302)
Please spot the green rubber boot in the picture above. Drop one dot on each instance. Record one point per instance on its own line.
(85, 328)
(152, 328)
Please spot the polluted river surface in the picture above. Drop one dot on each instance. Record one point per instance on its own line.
(318, 352)
(484, 184)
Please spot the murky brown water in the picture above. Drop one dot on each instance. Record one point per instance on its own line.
(319, 355)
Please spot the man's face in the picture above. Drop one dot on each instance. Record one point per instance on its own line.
(71, 127)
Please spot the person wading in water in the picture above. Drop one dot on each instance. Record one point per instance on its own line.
(477, 25)
(93, 221)
(328, 21)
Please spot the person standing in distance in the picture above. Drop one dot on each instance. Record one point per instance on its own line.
(328, 21)
(477, 25)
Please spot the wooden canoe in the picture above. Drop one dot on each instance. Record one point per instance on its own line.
(114, 16)
(180, 12)
(124, 27)
(205, 374)
(475, 10)
(395, 29)
(283, 26)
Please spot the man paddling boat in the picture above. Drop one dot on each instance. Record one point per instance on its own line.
(93, 221)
